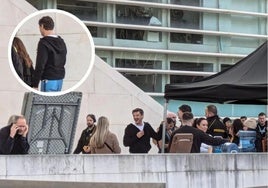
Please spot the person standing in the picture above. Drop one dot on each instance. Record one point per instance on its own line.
(13, 137)
(199, 136)
(22, 61)
(261, 130)
(183, 108)
(104, 141)
(86, 135)
(51, 58)
(137, 135)
(215, 125)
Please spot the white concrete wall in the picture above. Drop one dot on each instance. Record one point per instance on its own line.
(181, 170)
(105, 92)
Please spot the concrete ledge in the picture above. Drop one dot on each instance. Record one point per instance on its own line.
(172, 170)
(61, 184)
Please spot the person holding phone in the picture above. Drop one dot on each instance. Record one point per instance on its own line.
(13, 137)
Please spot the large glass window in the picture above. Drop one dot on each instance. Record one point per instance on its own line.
(184, 66)
(187, 20)
(83, 10)
(87, 11)
(138, 16)
(148, 82)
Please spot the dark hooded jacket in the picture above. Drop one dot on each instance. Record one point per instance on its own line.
(50, 60)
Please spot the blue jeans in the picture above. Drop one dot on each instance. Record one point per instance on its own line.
(51, 85)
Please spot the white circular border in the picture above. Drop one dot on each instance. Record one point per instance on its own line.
(91, 60)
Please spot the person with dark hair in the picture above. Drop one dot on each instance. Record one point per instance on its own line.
(137, 135)
(83, 143)
(229, 126)
(13, 137)
(243, 118)
(215, 125)
(183, 108)
(170, 127)
(198, 135)
(261, 130)
(237, 126)
(22, 61)
(51, 58)
(202, 124)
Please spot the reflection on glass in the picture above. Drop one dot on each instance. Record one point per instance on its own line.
(148, 82)
(185, 19)
(184, 66)
(186, 38)
(138, 64)
(81, 9)
(98, 32)
(138, 15)
(129, 34)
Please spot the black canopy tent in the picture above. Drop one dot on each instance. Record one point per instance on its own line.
(243, 83)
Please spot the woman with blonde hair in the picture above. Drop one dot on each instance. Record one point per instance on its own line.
(103, 141)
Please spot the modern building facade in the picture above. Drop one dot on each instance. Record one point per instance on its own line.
(155, 42)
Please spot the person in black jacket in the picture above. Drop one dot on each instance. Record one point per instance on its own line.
(215, 125)
(83, 143)
(198, 135)
(51, 58)
(137, 135)
(13, 138)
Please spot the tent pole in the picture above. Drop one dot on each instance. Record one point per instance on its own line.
(164, 127)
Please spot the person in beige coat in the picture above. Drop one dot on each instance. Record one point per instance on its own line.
(104, 141)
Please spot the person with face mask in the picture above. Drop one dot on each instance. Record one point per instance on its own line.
(13, 137)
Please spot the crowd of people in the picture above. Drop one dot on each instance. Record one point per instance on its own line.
(207, 131)
(96, 138)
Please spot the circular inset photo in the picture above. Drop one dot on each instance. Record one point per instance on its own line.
(51, 52)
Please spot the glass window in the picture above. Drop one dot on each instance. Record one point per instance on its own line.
(130, 34)
(206, 67)
(148, 82)
(186, 2)
(99, 32)
(225, 66)
(186, 38)
(83, 10)
(138, 64)
(138, 15)
(188, 20)
(185, 19)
